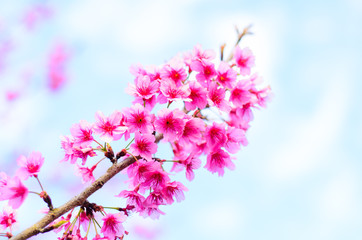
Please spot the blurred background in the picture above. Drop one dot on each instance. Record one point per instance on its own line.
(299, 178)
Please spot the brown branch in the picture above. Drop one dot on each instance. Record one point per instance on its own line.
(75, 201)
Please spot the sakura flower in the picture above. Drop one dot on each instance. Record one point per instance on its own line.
(206, 71)
(244, 59)
(174, 190)
(156, 179)
(203, 55)
(198, 96)
(191, 163)
(7, 218)
(235, 137)
(136, 171)
(144, 146)
(58, 58)
(14, 191)
(155, 198)
(170, 123)
(193, 130)
(171, 92)
(4, 178)
(86, 173)
(82, 133)
(216, 96)
(240, 117)
(30, 166)
(174, 71)
(241, 95)
(112, 225)
(143, 87)
(109, 128)
(216, 135)
(133, 199)
(152, 211)
(138, 119)
(217, 161)
(226, 75)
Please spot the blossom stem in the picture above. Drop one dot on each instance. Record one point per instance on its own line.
(129, 143)
(39, 183)
(98, 143)
(34, 193)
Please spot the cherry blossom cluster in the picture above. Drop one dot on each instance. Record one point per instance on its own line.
(200, 106)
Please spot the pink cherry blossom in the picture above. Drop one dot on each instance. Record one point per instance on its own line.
(138, 119)
(240, 117)
(133, 199)
(235, 137)
(206, 71)
(216, 135)
(7, 218)
(171, 92)
(14, 191)
(58, 59)
(86, 173)
(109, 128)
(241, 95)
(191, 163)
(144, 146)
(143, 87)
(203, 55)
(136, 171)
(193, 130)
(174, 190)
(174, 71)
(244, 59)
(29, 166)
(170, 123)
(216, 96)
(155, 198)
(112, 225)
(217, 161)
(198, 96)
(226, 75)
(155, 179)
(82, 133)
(152, 211)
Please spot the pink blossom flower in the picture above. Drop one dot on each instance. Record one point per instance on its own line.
(14, 191)
(240, 117)
(171, 92)
(112, 225)
(137, 170)
(216, 96)
(86, 173)
(203, 55)
(206, 71)
(155, 198)
(144, 146)
(241, 95)
(155, 179)
(4, 178)
(226, 75)
(235, 137)
(57, 65)
(191, 163)
(194, 127)
(133, 199)
(109, 128)
(138, 119)
(149, 104)
(82, 133)
(174, 71)
(7, 218)
(198, 96)
(143, 87)
(218, 160)
(174, 190)
(29, 167)
(216, 135)
(170, 123)
(152, 211)
(244, 59)
(73, 152)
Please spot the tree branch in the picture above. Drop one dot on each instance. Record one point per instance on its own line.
(75, 201)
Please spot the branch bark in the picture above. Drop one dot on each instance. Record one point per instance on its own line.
(75, 201)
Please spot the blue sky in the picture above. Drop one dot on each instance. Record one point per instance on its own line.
(299, 178)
